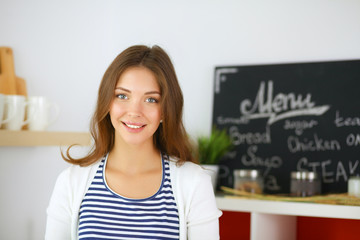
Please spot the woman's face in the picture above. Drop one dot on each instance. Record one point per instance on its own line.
(135, 111)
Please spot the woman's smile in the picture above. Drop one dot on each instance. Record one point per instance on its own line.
(134, 127)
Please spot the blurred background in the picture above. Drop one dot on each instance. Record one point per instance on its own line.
(62, 48)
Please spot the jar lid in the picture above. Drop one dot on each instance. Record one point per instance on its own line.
(354, 178)
(252, 173)
(304, 175)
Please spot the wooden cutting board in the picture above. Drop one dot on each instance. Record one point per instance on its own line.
(10, 84)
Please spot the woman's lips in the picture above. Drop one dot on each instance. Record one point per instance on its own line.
(134, 127)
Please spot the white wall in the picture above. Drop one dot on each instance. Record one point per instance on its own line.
(62, 48)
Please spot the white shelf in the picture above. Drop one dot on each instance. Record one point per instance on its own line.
(43, 138)
(288, 208)
(276, 220)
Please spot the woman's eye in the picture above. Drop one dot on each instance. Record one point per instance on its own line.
(121, 96)
(151, 100)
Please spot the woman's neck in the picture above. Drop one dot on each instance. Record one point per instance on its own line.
(134, 158)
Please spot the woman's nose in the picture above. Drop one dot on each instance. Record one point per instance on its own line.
(135, 107)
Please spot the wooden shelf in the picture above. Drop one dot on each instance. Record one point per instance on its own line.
(43, 138)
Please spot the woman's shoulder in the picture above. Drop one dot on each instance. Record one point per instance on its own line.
(190, 179)
(187, 168)
(185, 165)
(74, 172)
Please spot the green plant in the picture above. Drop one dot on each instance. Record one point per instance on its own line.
(211, 149)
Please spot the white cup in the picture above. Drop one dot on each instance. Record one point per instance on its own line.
(15, 110)
(40, 111)
(3, 102)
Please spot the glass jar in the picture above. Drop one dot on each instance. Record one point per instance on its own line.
(354, 186)
(304, 183)
(248, 180)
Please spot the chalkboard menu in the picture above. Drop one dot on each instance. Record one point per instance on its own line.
(290, 117)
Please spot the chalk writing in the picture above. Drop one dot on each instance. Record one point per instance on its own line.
(342, 171)
(315, 144)
(353, 140)
(226, 173)
(255, 161)
(280, 107)
(346, 122)
(299, 126)
(230, 154)
(229, 120)
(219, 76)
(353, 167)
(271, 183)
(249, 138)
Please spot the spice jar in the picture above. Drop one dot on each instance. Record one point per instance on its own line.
(304, 183)
(354, 186)
(248, 180)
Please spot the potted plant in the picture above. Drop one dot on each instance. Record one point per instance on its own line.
(210, 149)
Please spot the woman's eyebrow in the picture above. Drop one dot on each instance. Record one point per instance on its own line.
(124, 89)
(147, 93)
(152, 92)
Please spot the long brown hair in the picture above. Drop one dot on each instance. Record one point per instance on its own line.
(170, 137)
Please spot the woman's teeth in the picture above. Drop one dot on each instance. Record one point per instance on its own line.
(132, 126)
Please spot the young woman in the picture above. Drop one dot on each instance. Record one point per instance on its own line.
(140, 180)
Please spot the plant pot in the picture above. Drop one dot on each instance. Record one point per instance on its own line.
(213, 171)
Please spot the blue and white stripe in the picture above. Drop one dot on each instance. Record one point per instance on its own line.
(106, 215)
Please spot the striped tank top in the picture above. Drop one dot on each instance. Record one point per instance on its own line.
(105, 214)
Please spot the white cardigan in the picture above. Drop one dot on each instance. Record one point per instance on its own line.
(193, 192)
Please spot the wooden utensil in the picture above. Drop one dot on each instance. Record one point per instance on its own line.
(9, 82)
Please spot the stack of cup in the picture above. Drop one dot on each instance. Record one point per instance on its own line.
(4, 118)
(16, 111)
